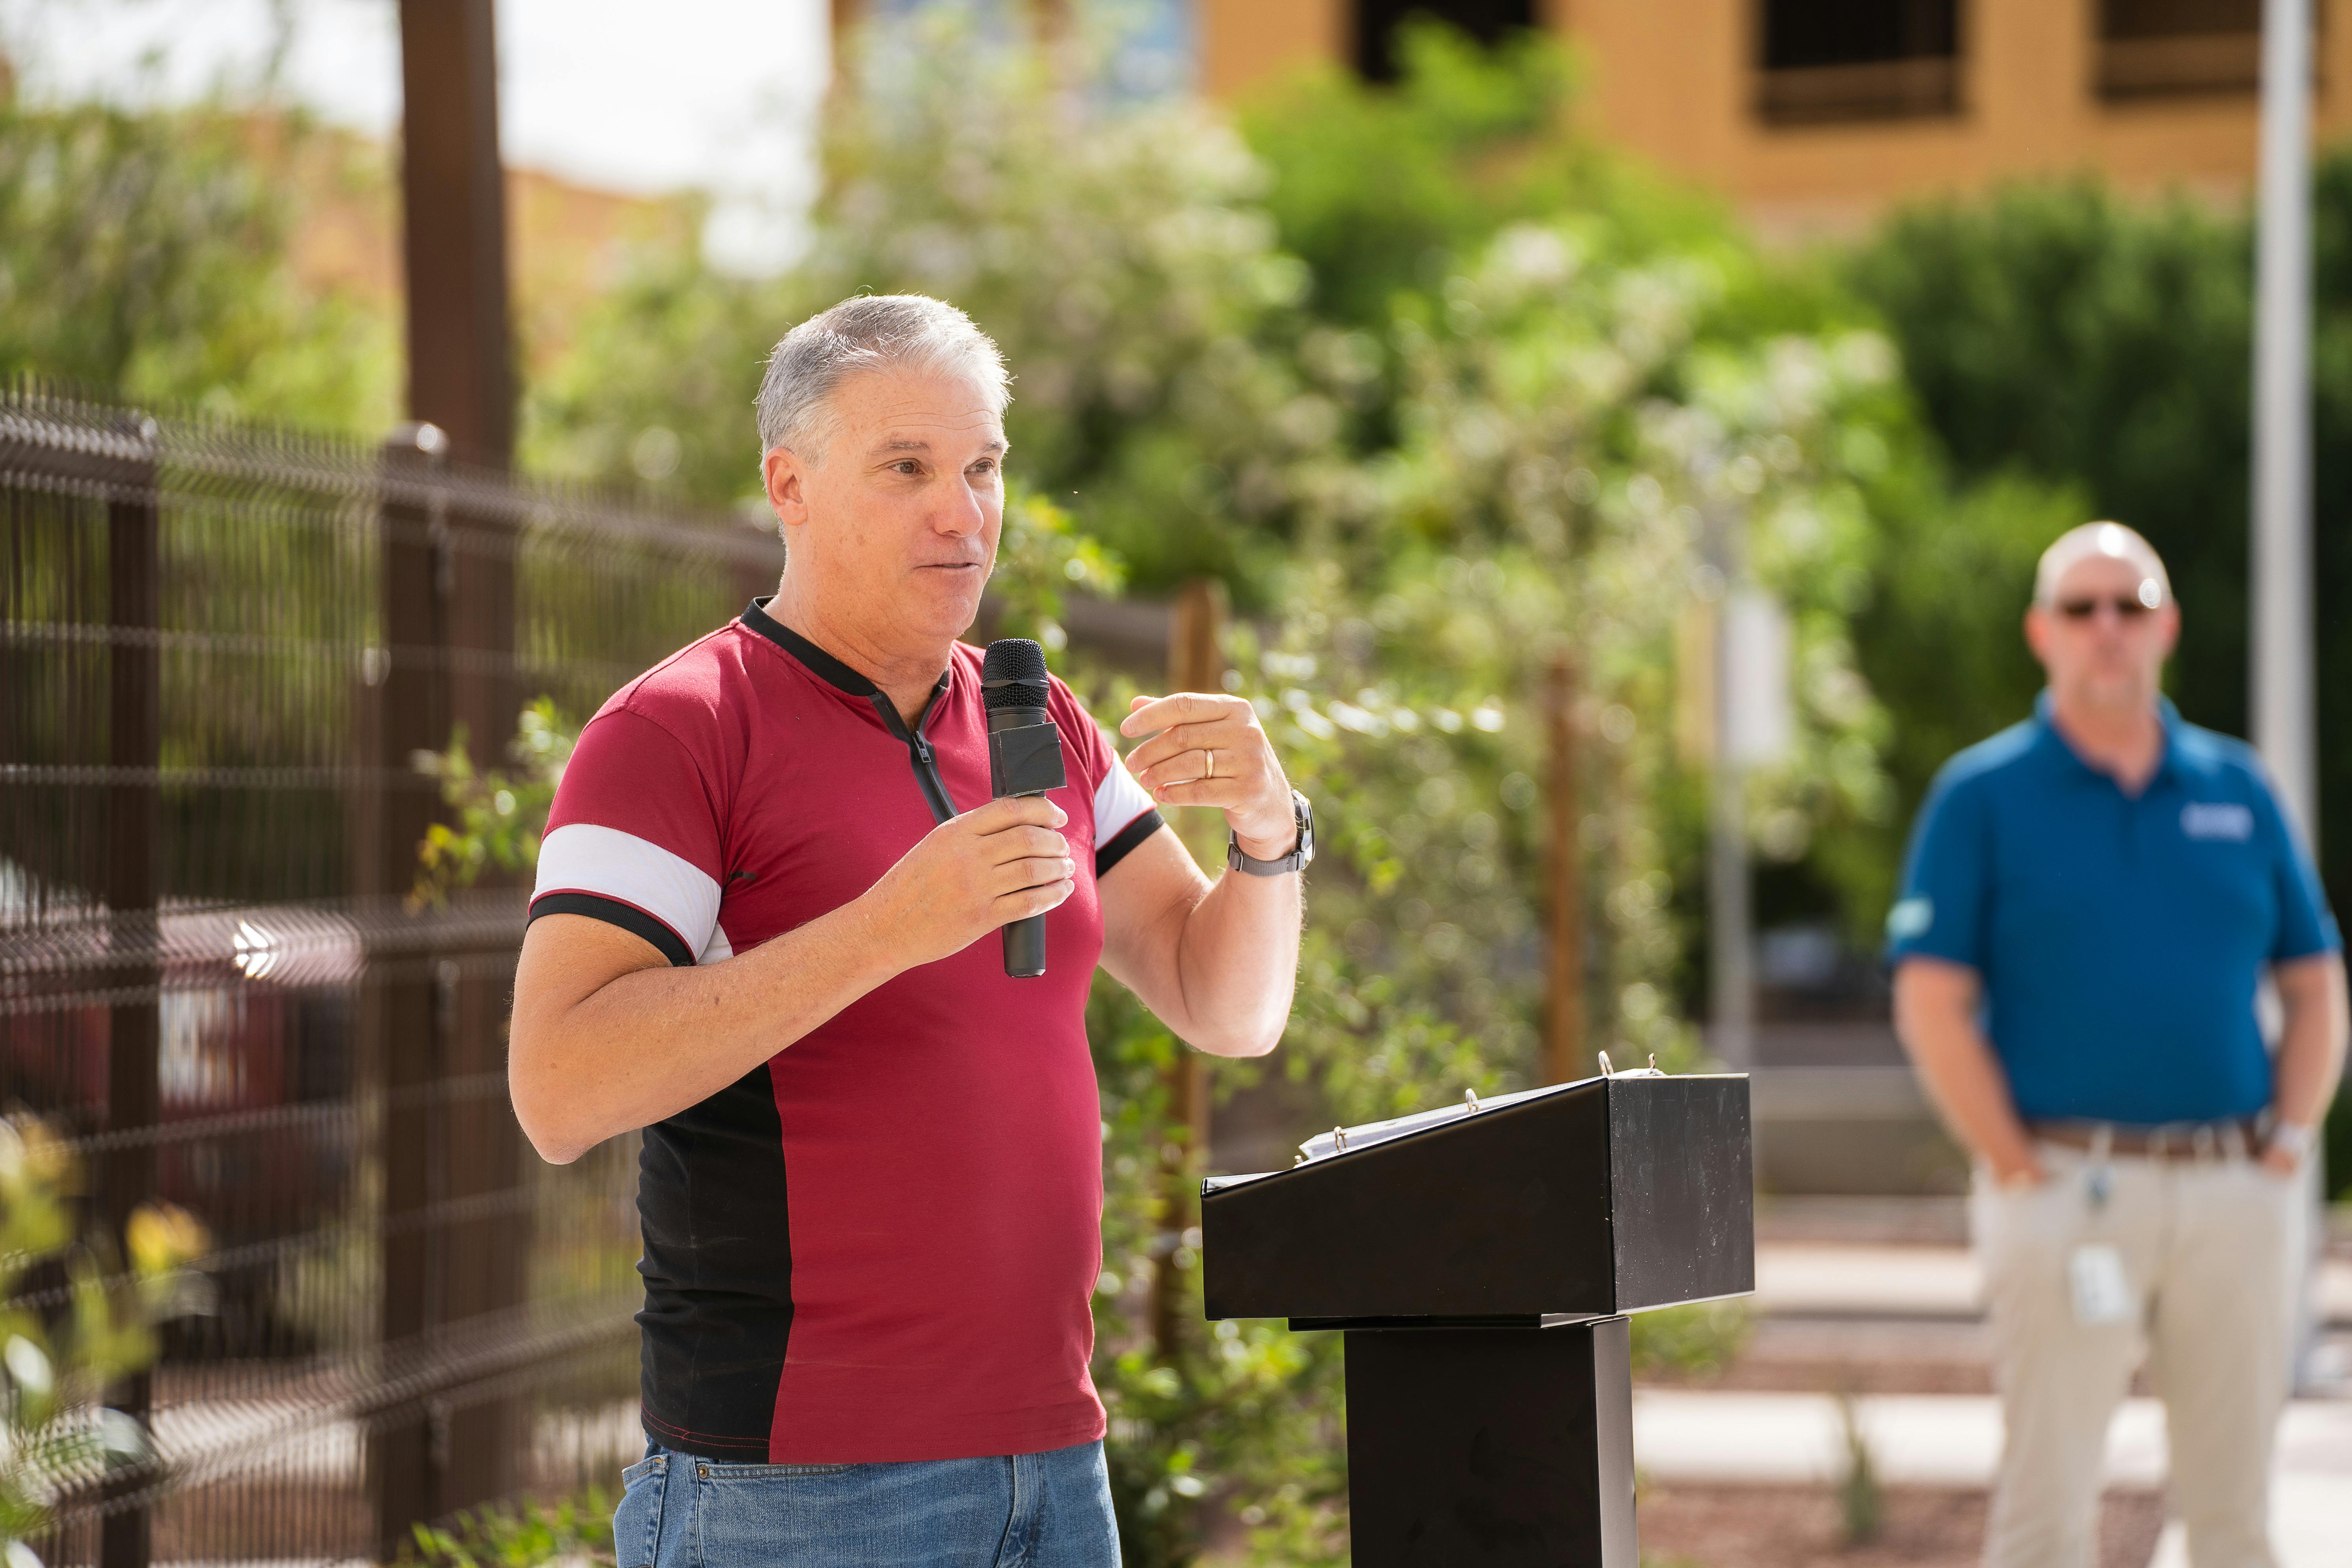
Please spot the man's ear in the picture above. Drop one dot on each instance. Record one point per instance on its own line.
(787, 483)
(2036, 628)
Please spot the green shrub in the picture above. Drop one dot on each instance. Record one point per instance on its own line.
(574, 1533)
(1861, 1500)
(56, 1366)
(1698, 1340)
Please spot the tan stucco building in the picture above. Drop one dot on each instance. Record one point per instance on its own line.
(1810, 115)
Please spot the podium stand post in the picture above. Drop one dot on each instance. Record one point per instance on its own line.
(1491, 1446)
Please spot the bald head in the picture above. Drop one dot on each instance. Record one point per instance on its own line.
(2101, 623)
(2110, 540)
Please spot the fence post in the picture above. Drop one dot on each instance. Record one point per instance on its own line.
(411, 715)
(461, 374)
(134, 754)
(481, 1444)
(1196, 662)
(448, 609)
(1564, 1054)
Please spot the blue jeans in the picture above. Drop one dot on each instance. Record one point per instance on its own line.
(1031, 1510)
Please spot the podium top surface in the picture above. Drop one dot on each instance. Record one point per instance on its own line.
(1610, 1194)
(1344, 1140)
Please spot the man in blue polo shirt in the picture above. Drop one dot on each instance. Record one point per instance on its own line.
(2093, 900)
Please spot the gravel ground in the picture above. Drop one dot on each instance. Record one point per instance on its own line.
(1798, 1527)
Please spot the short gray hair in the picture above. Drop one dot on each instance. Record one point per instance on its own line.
(872, 331)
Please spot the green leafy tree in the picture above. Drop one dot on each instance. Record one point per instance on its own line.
(1572, 428)
(1455, 139)
(1941, 638)
(145, 253)
(1381, 189)
(2080, 355)
(1115, 255)
(665, 363)
(2058, 333)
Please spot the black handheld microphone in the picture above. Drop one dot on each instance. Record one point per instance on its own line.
(1025, 757)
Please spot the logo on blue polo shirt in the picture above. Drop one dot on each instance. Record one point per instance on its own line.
(1910, 918)
(2221, 819)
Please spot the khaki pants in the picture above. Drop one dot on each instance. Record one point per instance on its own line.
(2213, 1250)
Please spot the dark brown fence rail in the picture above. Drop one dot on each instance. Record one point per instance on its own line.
(221, 649)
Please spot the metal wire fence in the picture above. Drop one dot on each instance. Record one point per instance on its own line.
(221, 649)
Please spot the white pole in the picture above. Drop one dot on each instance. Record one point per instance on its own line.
(2281, 659)
(1729, 920)
(1730, 917)
(2280, 650)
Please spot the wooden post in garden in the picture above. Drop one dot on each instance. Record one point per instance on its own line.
(435, 1021)
(433, 1016)
(480, 1157)
(1564, 1054)
(1196, 662)
(453, 234)
(1051, 20)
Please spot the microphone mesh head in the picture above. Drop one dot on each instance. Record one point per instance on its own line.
(1013, 675)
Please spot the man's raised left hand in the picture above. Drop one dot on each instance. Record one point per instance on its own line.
(1210, 750)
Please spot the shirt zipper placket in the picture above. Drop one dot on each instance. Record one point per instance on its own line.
(920, 754)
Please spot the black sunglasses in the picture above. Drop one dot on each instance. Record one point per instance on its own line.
(2127, 607)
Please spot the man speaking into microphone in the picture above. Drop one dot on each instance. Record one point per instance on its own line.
(765, 930)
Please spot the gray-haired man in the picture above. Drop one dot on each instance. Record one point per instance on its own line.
(872, 1181)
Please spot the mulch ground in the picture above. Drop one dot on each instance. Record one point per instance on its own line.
(1760, 1374)
(1798, 1527)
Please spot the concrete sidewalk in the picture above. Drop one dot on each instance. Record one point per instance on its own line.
(1876, 1301)
(1828, 1278)
(1953, 1440)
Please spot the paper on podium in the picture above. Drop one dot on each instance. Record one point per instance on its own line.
(1344, 1140)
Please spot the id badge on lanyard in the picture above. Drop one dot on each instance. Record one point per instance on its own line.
(2102, 1289)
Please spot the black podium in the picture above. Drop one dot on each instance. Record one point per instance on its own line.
(1481, 1260)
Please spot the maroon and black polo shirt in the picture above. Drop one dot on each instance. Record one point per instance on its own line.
(882, 1242)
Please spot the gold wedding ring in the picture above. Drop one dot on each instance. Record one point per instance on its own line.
(1208, 759)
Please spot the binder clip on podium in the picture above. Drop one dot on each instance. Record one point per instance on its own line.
(1482, 1260)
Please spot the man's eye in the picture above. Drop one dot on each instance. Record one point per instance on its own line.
(906, 466)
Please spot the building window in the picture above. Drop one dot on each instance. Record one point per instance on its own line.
(1823, 61)
(2169, 48)
(1376, 24)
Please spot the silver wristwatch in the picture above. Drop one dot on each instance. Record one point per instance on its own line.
(1302, 854)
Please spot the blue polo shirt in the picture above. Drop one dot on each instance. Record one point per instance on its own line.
(2120, 940)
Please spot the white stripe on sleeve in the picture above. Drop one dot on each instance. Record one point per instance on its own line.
(581, 858)
(1118, 800)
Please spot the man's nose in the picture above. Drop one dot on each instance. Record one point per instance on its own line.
(960, 512)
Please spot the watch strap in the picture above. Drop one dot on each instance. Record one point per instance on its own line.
(1302, 851)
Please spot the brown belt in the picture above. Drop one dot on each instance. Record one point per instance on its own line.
(2242, 1136)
